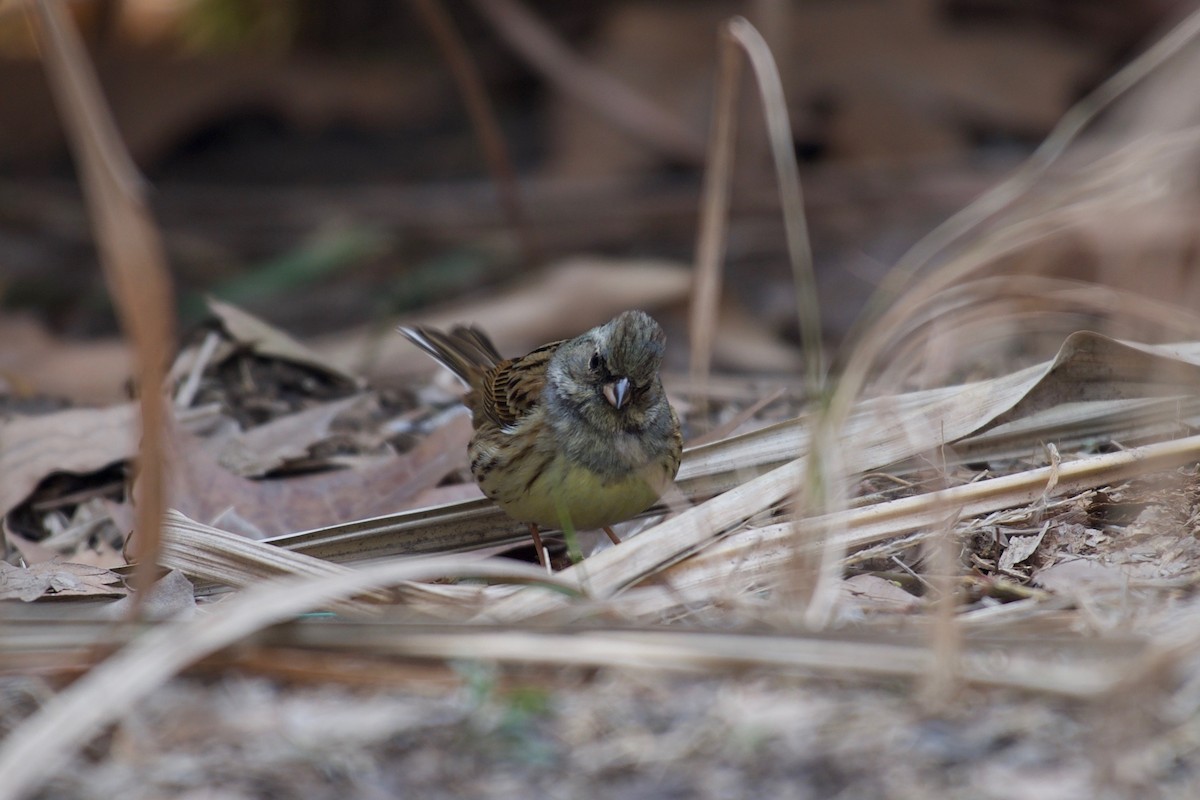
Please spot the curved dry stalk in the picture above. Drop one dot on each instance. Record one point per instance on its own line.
(791, 197)
(712, 233)
(737, 34)
(819, 491)
(131, 253)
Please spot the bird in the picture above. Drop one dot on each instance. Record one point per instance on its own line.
(577, 434)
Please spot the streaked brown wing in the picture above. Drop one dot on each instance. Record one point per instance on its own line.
(511, 390)
(471, 338)
(467, 352)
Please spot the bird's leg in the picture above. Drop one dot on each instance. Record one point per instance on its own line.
(615, 539)
(537, 545)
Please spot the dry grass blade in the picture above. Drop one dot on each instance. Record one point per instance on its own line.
(896, 517)
(941, 680)
(130, 250)
(791, 199)
(45, 742)
(819, 492)
(210, 554)
(450, 528)
(1076, 425)
(1028, 660)
(714, 215)
(711, 235)
(761, 554)
(1079, 669)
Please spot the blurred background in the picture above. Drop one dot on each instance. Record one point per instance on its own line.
(314, 162)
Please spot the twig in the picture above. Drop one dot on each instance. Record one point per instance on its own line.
(483, 120)
(791, 198)
(616, 102)
(711, 235)
(187, 390)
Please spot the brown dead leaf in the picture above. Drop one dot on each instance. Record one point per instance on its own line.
(34, 362)
(58, 579)
(870, 593)
(78, 441)
(31, 552)
(1090, 366)
(267, 447)
(204, 490)
(1081, 575)
(267, 340)
(1021, 548)
(171, 597)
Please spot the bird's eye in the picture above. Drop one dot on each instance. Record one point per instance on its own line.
(594, 364)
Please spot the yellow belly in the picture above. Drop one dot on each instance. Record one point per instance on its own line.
(569, 495)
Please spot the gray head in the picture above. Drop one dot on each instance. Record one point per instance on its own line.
(610, 373)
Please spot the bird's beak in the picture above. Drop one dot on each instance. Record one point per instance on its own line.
(617, 393)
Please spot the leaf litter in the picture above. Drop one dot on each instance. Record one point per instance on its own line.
(1125, 526)
(57, 579)
(1063, 682)
(1127, 534)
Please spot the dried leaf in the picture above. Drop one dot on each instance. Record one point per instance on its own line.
(170, 597)
(77, 441)
(34, 362)
(268, 447)
(1021, 547)
(203, 489)
(1080, 574)
(267, 340)
(31, 552)
(870, 593)
(1093, 367)
(58, 579)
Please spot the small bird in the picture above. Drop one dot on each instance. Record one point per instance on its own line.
(578, 434)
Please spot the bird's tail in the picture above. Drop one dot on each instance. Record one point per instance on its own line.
(465, 351)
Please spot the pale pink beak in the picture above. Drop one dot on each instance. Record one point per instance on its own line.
(617, 393)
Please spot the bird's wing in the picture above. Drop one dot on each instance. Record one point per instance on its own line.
(472, 338)
(465, 351)
(511, 390)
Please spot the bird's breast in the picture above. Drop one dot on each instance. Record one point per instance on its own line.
(568, 494)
